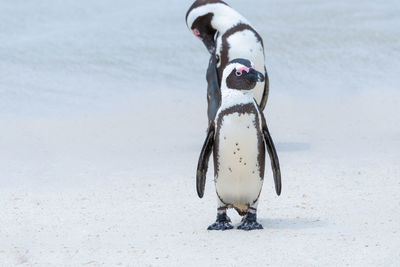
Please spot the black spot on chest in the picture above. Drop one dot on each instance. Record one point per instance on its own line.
(240, 109)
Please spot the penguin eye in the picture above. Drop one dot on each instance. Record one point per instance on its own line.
(238, 73)
(196, 32)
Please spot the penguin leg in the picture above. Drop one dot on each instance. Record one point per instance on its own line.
(249, 221)
(222, 222)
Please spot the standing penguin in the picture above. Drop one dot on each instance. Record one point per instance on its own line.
(227, 35)
(237, 137)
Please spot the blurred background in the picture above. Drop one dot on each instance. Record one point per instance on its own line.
(103, 114)
(59, 57)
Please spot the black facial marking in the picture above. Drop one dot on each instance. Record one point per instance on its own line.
(239, 82)
(243, 79)
(206, 31)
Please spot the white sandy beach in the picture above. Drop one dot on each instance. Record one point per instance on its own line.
(103, 115)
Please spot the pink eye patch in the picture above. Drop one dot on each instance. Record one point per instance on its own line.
(240, 70)
(197, 33)
(244, 68)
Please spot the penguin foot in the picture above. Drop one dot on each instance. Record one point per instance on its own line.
(220, 226)
(222, 223)
(248, 226)
(249, 222)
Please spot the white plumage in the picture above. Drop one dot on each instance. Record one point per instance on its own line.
(239, 179)
(242, 44)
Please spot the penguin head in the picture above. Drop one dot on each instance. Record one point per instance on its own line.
(199, 20)
(240, 74)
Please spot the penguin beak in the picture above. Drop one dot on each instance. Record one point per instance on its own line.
(209, 43)
(255, 76)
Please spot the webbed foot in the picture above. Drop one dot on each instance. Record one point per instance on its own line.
(220, 226)
(249, 222)
(222, 223)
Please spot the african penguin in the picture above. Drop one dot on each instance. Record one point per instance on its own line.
(237, 137)
(227, 35)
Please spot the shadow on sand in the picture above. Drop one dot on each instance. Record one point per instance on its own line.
(292, 146)
(291, 223)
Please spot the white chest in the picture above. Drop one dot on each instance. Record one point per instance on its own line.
(238, 177)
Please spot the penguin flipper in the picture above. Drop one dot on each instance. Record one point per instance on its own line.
(264, 98)
(273, 157)
(202, 165)
(213, 90)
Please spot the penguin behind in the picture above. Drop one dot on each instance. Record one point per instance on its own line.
(238, 137)
(227, 35)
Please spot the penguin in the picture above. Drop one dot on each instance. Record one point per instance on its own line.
(237, 138)
(227, 35)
